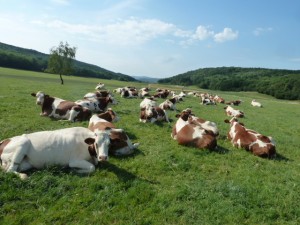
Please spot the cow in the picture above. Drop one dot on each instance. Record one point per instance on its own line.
(150, 101)
(162, 94)
(234, 112)
(129, 93)
(99, 86)
(97, 94)
(190, 133)
(234, 102)
(120, 144)
(76, 147)
(168, 104)
(97, 104)
(219, 99)
(58, 108)
(250, 140)
(153, 114)
(256, 103)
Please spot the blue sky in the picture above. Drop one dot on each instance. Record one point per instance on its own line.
(159, 38)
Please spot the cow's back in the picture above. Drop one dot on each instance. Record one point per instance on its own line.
(58, 147)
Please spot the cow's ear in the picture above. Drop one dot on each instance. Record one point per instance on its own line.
(89, 141)
(33, 94)
(47, 96)
(242, 124)
(226, 121)
(177, 115)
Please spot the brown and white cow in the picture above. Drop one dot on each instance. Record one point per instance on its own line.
(169, 104)
(97, 104)
(233, 112)
(120, 144)
(219, 99)
(258, 144)
(189, 132)
(60, 109)
(97, 94)
(153, 114)
(76, 147)
(234, 102)
(162, 94)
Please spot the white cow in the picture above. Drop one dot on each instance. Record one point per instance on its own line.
(256, 104)
(76, 147)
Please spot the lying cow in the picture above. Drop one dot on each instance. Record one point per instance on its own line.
(97, 104)
(97, 94)
(153, 114)
(189, 132)
(256, 103)
(169, 104)
(233, 112)
(120, 143)
(234, 102)
(147, 102)
(61, 109)
(258, 144)
(76, 147)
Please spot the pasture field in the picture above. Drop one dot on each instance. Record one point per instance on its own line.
(162, 182)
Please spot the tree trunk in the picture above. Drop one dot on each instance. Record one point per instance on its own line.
(62, 81)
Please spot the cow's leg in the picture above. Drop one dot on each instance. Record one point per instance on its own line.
(166, 116)
(82, 166)
(20, 149)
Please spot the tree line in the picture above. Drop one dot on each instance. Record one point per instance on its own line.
(282, 84)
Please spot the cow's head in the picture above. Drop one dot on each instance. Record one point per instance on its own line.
(40, 97)
(99, 145)
(184, 115)
(109, 116)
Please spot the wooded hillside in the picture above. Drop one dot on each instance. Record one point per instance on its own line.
(282, 84)
(28, 59)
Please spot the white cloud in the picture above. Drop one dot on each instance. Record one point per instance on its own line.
(226, 35)
(202, 33)
(259, 30)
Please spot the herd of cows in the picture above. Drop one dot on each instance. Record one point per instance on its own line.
(82, 148)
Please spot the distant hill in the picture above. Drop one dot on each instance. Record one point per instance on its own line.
(282, 84)
(28, 59)
(146, 79)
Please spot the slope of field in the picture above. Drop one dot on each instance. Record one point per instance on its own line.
(162, 182)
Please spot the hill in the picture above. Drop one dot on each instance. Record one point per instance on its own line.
(146, 79)
(282, 84)
(28, 59)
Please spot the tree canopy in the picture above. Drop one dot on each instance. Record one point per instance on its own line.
(60, 59)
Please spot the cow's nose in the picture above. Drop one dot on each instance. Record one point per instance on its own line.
(103, 158)
(38, 103)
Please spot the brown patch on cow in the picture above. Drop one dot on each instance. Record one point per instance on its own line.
(84, 113)
(267, 151)
(118, 140)
(63, 107)
(143, 113)
(108, 115)
(185, 137)
(2, 145)
(47, 105)
(92, 151)
(245, 138)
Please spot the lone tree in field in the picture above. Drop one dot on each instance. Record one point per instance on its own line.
(60, 59)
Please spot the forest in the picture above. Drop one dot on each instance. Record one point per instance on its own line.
(282, 84)
(28, 59)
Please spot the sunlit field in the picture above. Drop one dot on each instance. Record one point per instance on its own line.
(162, 182)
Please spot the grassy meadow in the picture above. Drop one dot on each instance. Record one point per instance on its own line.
(162, 182)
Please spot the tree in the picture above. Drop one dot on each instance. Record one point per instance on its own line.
(60, 59)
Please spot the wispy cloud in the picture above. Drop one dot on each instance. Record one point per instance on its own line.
(259, 30)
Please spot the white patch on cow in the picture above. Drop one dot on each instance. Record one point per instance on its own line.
(180, 124)
(198, 132)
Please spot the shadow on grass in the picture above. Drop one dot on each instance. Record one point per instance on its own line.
(280, 157)
(122, 174)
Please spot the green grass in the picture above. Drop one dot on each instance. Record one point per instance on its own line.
(162, 183)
